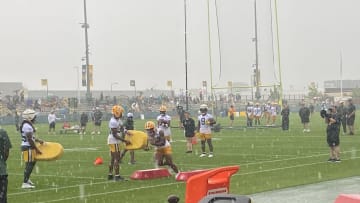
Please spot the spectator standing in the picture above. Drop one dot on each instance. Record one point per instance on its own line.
(285, 112)
(231, 112)
(52, 122)
(84, 119)
(17, 120)
(350, 115)
(304, 114)
(189, 130)
(181, 112)
(97, 118)
(332, 134)
(312, 108)
(5, 146)
(341, 111)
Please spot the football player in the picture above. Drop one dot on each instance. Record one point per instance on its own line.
(267, 112)
(257, 113)
(129, 125)
(205, 122)
(163, 121)
(114, 139)
(273, 112)
(162, 146)
(249, 114)
(28, 146)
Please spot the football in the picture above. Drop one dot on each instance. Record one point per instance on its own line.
(210, 121)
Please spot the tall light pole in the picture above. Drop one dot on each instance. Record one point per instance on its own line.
(257, 75)
(78, 81)
(186, 64)
(85, 25)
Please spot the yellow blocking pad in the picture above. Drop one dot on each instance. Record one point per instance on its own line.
(50, 151)
(138, 139)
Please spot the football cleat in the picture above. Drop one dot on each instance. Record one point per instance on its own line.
(27, 186)
(30, 182)
(119, 178)
(203, 155)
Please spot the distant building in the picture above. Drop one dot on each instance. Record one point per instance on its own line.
(333, 87)
(10, 88)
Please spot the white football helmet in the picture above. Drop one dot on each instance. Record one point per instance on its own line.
(203, 108)
(29, 114)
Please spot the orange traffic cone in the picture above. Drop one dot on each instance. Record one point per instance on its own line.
(98, 161)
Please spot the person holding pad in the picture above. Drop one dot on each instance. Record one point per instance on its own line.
(28, 146)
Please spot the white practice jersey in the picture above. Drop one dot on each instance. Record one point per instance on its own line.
(204, 126)
(273, 110)
(257, 111)
(114, 123)
(27, 128)
(267, 108)
(161, 126)
(51, 118)
(249, 111)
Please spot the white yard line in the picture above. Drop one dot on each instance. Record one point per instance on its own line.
(104, 182)
(112, 192)
(161, 185)
(59, 176)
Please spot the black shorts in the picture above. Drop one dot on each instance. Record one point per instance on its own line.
(305, 120)
(3, 188)
(52, 125)
(350, 120)
(232, 117)
(189, 133)
(333, 138)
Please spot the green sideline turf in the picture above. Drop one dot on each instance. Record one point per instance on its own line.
(268, 158)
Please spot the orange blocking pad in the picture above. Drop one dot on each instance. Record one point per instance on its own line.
(215, 181)
(150, 174)
(348, 198)
(184, 176)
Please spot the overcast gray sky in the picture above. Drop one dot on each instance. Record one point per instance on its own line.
(143, 40)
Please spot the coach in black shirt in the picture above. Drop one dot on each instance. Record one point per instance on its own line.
(189, 130)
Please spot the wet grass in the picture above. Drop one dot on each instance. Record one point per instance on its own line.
(269, 159)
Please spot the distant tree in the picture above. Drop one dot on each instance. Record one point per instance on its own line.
(274, 94)
(356, 92)
(314, 91)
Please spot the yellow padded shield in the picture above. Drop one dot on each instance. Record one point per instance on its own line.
(50, 151)
(138, 140)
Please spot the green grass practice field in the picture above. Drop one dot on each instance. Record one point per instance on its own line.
(269, 159)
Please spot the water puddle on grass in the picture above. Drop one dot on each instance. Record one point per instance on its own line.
(315, 193)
